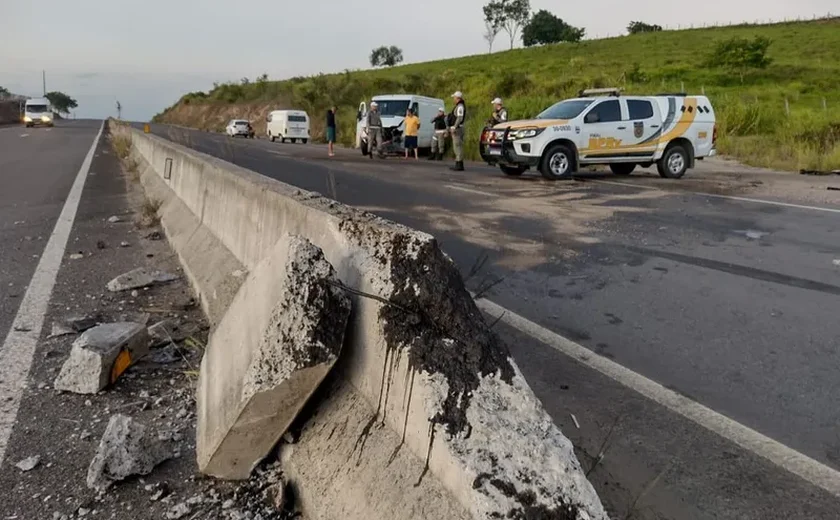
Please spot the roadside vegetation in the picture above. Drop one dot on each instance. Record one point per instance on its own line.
(774, 87)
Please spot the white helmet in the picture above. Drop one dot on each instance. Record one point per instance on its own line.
(458, 94)
(441, 109)
(497, 101)
(374, 104)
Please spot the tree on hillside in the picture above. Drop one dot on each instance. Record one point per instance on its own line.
(642, 27)
(4, 92)
(386, 56)
(492, 24)
(740, 54)
(61, 102)
(510, 15)
(544, 28)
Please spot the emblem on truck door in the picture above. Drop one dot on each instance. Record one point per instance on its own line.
(638, 129)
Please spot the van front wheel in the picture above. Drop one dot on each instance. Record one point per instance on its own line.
(303, 141)
(271, 137)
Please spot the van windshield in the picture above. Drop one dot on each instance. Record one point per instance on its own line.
(297, 119)
(392, 107)
(565, 109)
(36, 109)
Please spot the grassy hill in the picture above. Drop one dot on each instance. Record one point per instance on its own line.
(785, 116)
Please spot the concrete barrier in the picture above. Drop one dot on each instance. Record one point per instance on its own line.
(427, 416)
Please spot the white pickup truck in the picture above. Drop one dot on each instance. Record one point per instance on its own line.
(603, 127)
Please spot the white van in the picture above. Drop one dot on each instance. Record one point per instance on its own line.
(287, 124)
(38, 111)
(392, 108)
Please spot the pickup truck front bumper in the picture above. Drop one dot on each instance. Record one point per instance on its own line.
(503, 152)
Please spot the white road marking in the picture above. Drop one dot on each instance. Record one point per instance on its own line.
(470, 190)
(24, 135)
(19, 345)
(716, 196)
(791, 460)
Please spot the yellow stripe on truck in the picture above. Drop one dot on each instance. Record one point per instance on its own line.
(684, 123)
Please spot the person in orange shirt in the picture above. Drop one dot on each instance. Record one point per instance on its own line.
(412, 126)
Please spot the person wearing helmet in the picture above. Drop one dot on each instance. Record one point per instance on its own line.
(439, 137)
(373, 127)
(458, 116)
(500, 114)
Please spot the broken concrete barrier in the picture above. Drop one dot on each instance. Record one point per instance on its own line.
(139, 278)
(171, 331)
(280, 337)
(100, 355)
(127, 448)
(428, 416)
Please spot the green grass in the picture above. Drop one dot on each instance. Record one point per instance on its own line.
(754, 125)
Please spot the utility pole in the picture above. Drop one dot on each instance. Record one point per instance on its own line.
(119, 110)
(44, 81)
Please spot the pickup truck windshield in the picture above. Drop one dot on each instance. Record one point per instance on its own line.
(565, 109)
(392, 108)
(36, 109)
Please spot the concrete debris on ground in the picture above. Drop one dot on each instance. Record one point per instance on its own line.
(29, 463)
(139, 278)
(158, 491)
(280, 337)
(171, 330)
(114, 219)
(836, 262)
(76, 256)
(154, 235)
(100, 355)
(124, 244)
(166, 355)
(178, 511)
(72, 325)
(127, 448)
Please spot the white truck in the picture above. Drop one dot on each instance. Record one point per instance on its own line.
(603, 127)
(38, 111)
(392, 109)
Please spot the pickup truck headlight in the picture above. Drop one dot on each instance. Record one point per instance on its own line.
(525, 133)
(27, 119)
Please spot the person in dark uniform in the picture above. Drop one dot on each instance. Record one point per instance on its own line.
(500, 114)
(439, 137)
(458, 116)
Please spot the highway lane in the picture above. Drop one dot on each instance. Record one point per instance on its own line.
(727, 302)
(37, 169)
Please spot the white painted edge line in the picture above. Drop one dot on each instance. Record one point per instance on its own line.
(19, 346)
(716, 196)
(787, 458)
(470, 190)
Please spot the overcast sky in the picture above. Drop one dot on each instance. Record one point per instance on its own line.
(148, 53)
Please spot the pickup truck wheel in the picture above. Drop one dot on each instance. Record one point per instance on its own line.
(558, 163)
(673, 163)
(622, 168)
(513, 171)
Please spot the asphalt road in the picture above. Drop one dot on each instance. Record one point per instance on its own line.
(37, 168)
(730, 303)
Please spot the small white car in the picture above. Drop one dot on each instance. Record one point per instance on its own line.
(603, 127)
(287, 124)
(237, 127)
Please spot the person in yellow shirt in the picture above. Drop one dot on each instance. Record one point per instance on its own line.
(412, 126)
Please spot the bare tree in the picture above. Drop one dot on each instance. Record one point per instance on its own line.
(492, 23)
(510, 15)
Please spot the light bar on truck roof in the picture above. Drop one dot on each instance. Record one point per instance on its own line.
(600, 92)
